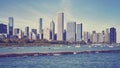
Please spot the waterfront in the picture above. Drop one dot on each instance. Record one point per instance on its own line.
(83, 60)
(97, 60)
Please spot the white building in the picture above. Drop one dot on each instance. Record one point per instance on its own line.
(46, 33)
(60, 26)
(94, 37)
(107, 35)
(71, 32)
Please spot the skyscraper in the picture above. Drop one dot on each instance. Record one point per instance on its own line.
(87, 37)
(3, 29)
(79, 32)
(107, 36)
(60, 26)
(27, 31)
(112, 35)
(46, 33)
(40, 29)
(64, 35)
(71, 32)
(10, 26)
(52, 29)
(17, 33)
(94, 37)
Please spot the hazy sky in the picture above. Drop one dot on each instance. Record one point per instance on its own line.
(94, 14)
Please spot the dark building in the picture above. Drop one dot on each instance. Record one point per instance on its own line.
(64, 35)
(27, 31)
(55, 36)
(112, 35)
(3, 29)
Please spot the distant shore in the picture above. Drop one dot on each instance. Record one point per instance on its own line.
(55, 53)
(24, 44)
(42, 44)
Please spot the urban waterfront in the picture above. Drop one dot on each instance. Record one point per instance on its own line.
(84, 60)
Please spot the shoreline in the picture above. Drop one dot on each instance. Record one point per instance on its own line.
(55, 53)
(43, 44)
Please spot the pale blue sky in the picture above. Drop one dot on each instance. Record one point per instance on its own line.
(94, 14)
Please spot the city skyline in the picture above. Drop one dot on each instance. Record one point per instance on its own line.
(94, 14)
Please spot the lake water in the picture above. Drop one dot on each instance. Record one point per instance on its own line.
(91, 60)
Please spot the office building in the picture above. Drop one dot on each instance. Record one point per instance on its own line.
(112, 35)
(94, 37)
(60, 26)
(3, 29)
(10, 26)
(46, 33)
(40, 29)
(87, 37)
(17, 33)
(64, 35)
(71, 32)
(27, 32)
(79, 32)
(52, 30)
(107, 36)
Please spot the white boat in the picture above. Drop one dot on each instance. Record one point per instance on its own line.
(77, 46)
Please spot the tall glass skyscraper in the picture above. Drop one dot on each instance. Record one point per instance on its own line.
(40, 29)
(27, 31)
(52, 29)
(10, 26)
(112, 35)
(79, 32)
(60, 26)
(71, 32)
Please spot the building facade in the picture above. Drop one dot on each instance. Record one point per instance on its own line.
(3, 29)
(52, 30)
(112, 35)
(27, 32)
(79, 32)
(10, 26)
(60, 26)
(71, 32)
(46, 33)
(40, 29)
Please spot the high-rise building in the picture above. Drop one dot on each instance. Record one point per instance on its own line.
(79, 32)
(46, 33)
(27, 31)
(17, 33)
(10, 26)
(52, 29)
(34, 31)
(3, 29)
(87, 37)
(112, 35)
(40, 29)
(107, 36)
(64, 35)
(103, 36)
(60, 26)
(94, 37)
(100, 38)
(71, 32)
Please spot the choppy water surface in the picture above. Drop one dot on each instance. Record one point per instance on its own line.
(96, 60)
